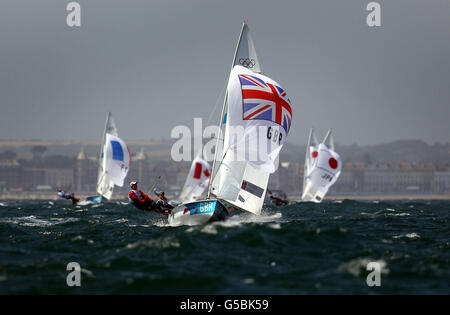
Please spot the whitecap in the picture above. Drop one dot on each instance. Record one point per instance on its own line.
(358, 266)
(398, 214)
(249, 281)
(209, 229)
(409, 235)
(163, 242)
(275, 226)
(32, 221)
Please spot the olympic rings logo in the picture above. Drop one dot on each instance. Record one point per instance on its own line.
(248, 63)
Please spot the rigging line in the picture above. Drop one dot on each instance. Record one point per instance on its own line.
(220, 164)
(217, 103)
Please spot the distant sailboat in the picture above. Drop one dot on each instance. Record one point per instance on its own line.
(259, 106)
(196, 181)
(322, 168)
(114, 162)
(310, 159)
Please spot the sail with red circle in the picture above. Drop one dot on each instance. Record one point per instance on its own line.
(324, 172)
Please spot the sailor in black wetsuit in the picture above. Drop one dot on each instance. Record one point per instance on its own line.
(277, 200)
(162, 201)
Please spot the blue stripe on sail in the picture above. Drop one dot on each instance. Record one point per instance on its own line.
(244, 81)
(117, 150)
(280, 90)
(266, 115)
(248, 106)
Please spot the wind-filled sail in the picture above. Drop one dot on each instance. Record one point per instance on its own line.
(118, 159)
(324, 173)
(259, 116)
(105, 183)
(310, 158)
(196, 181)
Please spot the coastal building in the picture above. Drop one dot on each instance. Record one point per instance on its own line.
(11, 175)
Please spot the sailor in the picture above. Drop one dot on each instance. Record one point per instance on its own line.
(143, 202)
(62, 193)
(65, 195)
(72, 197)
(162, 200)
(277, 200)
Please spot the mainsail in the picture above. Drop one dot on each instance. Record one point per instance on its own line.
(196, 181)
(114, 160)
(324, 173)
(245, 51)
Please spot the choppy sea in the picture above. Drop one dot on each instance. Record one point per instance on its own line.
(302, 248)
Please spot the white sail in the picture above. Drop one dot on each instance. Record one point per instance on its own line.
(196, 181)
(310, 158)
(245, 55)
(329, 140)
(118, 159)
(245, 52)
(259, 117)
(105, 185)
(323, 174)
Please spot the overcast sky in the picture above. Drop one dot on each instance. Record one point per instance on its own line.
(159, 63)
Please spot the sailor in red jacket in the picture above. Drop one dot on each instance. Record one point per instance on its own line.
(139, 199)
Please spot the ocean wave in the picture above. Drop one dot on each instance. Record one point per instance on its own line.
(32, 221)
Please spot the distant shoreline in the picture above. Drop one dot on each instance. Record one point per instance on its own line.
(52, 196)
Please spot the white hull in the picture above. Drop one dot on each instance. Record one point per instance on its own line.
(198, 212)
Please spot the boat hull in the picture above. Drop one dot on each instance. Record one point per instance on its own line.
(198, 212)
(95, 198)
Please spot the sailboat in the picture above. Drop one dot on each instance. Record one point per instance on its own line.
(310, 160)
(255, 120)
(322, 168)
(196, 181)
(114, 162)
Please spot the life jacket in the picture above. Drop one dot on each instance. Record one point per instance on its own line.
(137, 194)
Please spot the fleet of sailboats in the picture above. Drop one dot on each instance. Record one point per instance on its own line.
(255, 120)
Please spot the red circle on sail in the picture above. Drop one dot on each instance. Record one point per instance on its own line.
(314, 154)
(333, 163)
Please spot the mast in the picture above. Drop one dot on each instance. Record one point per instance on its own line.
(306, 164)
(222, 114)
(100, 166)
